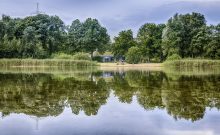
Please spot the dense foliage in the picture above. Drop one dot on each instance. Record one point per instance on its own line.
(187, 36)
(133, 55)
(34, 36)
(76, 56)
(88, 36)
(122, 43)
(149, 41)
(42, 35)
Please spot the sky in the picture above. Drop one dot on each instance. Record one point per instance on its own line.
(115, 15)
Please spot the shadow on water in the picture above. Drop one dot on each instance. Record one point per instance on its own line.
(183, 95)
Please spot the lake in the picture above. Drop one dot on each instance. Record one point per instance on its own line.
(109, 102)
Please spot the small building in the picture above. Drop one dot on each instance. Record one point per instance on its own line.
(107, 58)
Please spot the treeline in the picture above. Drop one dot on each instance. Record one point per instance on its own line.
(183, 36)
(42, 35)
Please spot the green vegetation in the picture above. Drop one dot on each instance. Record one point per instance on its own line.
(173, 57)
(149, 41)
(133, 55)
(43, 36)
(88, 36)
(62, 56)
(76, 56)
(81, 56)
(183, 36)
(190, 63)
(45, 63)
(122, 43)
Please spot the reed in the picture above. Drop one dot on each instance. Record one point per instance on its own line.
(45, 63)
(192, 63)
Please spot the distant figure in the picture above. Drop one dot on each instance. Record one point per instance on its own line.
(122, 62)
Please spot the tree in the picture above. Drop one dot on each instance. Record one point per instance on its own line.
(213, 47)
(88, 36)
(29, 41)
(50, 31)
(198, 43)
(122, 43)
(133, 56)
(75, 35)
(179, 33)
(149, 40)
(56, 34)
(47, 37)
(2, 30)
(95, 36)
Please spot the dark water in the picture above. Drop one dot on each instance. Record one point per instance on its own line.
(110, 103)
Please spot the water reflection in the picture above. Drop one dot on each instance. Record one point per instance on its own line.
(42, 95)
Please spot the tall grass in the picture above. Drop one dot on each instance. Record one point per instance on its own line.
(45, 63)
(192, 63)
(76, 56)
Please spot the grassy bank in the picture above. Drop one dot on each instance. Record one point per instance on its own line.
(45, 63)
(184, 63)
(193, 63)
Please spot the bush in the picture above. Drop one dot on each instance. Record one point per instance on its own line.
(77, 56)
(190, 63)
(173, 57)
(97, 58)
(133, 55)
(81, 56)
(62, 56)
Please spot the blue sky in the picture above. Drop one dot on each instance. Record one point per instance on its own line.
(116, 15)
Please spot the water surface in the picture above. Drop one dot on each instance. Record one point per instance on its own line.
(136, 102)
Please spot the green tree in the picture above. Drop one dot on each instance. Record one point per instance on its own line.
(149, 39)
(2, 30)
(95, 36)
(75, 35)
(213, 47)
(179, 33)
(133, 56)
(198, 43)
(50, 31)
(122, 43)
(88, 36)
(47, 37)
(29, 41)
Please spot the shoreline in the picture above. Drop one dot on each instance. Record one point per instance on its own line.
(131, 65)
(142, 66)
(47, 63)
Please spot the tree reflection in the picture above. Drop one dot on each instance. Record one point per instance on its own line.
(42, 95)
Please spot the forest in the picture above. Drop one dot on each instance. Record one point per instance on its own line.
(41, 36)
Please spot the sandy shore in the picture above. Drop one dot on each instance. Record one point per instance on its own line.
(145, 66)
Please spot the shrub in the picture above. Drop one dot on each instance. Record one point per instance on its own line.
(173, 57)
(133, 55)
(191, 63)
(62, 56)
(77, 56)
(97, 58)
(81, 56)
